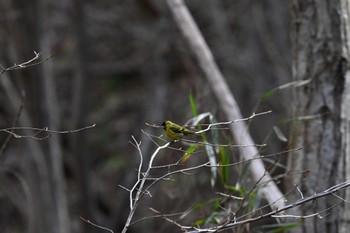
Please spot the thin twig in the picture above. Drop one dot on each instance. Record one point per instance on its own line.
(29, 63)
(198, 143)
(96, 225)
(8, 138)
(281, 211)
(210, 126)
(158, 215)
(11, 130)
(233, 121)
(140, 183)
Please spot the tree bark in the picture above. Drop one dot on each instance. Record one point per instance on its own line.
(344, 162)
(321, 55)
(79, 111)
(55, 157)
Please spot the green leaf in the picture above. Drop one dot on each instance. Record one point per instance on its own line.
(278, 228)
(193, 105)
(205, 203)
(209, 149)
(214, 132)
(212, 160)
(200, 222)
(253, 200)
(284, 227)
(243, 176)
(224, 160)
(231, 188)
(189, 151)
(215, 209)
(268, 94)
(293, 84)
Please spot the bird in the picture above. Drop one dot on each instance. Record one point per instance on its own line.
(175, 131)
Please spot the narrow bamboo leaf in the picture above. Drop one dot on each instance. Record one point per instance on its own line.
(214, 132)
(193, 105)
(285, 227)
(280, 134)
(212, 161)
(224, 160)
(189, 151)
(294, 84)
(279, 227)
(243, 176)
(198, 118)
(203, 204)
(200, 222)
(267, 95)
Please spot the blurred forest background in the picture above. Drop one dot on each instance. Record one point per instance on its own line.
(119, 64)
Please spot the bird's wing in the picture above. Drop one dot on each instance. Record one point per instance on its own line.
(176, 130)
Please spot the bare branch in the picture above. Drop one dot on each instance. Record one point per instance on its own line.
(38, 131)
(233, 121)
(140, 183)
(281, 211)
(8, 138)
(96, 225)
(32, 62)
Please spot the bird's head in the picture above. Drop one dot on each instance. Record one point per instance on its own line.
(164, 125)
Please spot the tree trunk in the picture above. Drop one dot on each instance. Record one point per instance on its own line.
(320, 54)
(59, 213)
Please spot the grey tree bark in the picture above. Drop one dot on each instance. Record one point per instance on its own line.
(320, 41)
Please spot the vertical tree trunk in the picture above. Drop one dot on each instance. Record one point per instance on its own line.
(320, 55)
(344, 163)
(60, 223)
(79, 111)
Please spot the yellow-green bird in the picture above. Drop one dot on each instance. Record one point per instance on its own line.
(174, 131)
